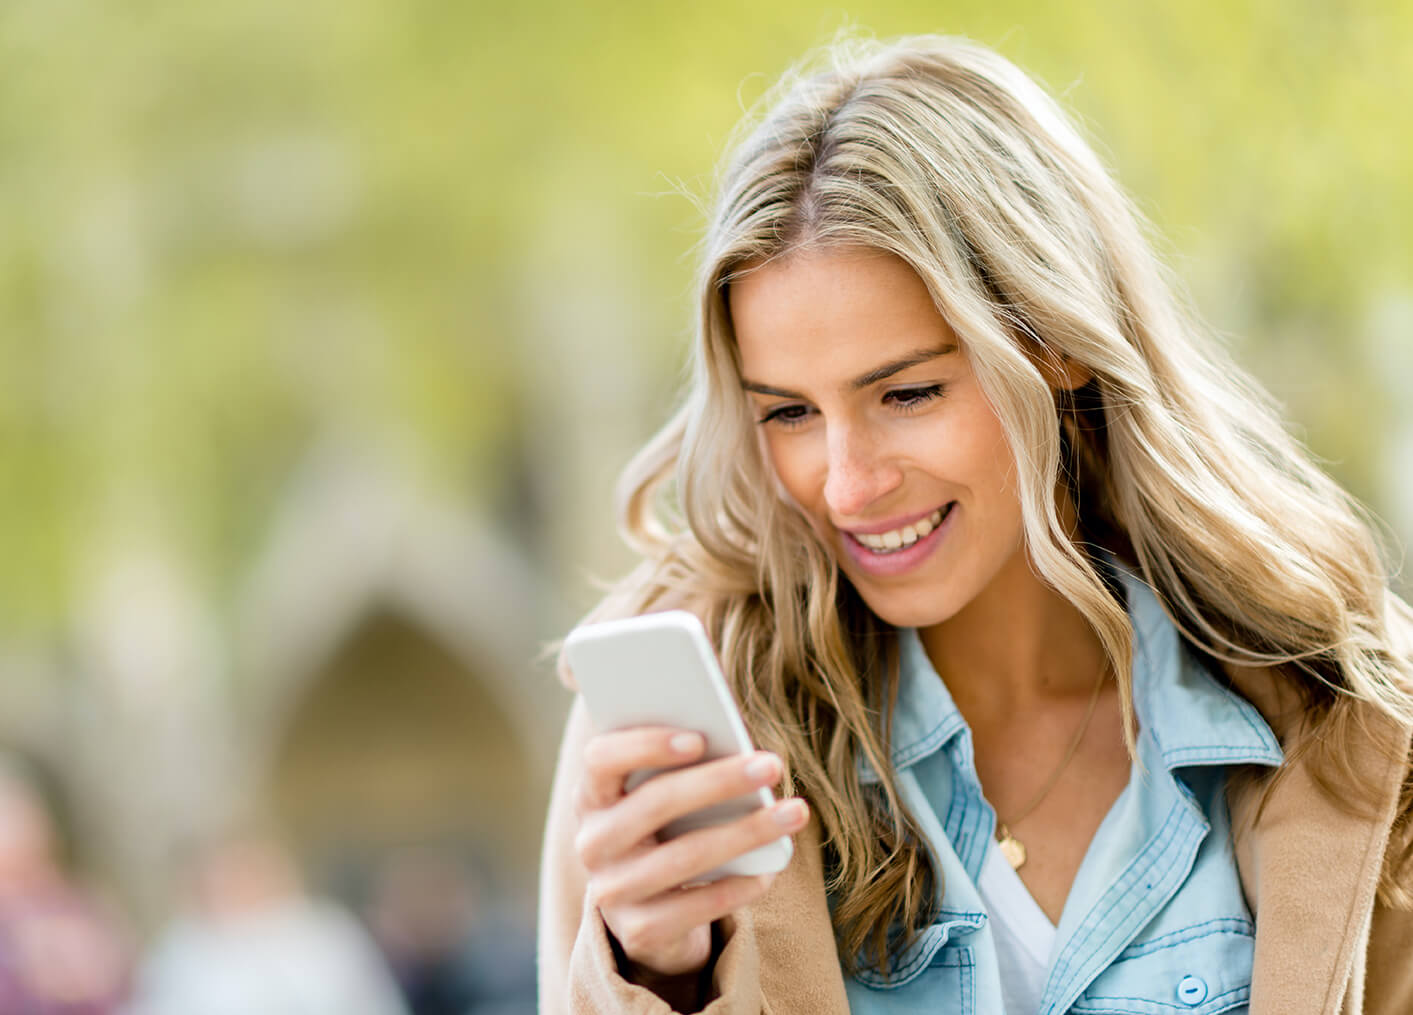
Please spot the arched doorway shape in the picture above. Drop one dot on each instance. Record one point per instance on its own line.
(395, 742)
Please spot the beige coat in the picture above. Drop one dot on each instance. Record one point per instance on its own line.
(1309, 870)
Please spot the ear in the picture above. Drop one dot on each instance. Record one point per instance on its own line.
(1063, 373)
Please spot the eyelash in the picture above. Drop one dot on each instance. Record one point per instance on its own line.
(916, 398)
(905, 400)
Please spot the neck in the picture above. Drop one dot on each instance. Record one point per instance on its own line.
(1017, 644)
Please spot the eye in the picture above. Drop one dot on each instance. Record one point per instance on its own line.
(914, 398)
(787, 415)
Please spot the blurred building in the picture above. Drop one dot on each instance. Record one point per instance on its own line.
(374, 688)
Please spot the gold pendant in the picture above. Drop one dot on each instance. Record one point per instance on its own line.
(1011, 848)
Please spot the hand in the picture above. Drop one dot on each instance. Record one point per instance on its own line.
(637, 881)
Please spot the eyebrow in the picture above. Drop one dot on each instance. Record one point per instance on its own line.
(875, 375)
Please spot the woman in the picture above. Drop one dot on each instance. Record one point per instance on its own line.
(1089, 683)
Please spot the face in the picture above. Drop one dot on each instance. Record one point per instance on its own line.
(876, 428)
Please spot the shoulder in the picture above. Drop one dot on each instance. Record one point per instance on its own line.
(1277, 699)
(1351, 762)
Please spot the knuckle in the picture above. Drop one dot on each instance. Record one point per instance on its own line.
(744, 833)
(586, 843)
(594, 795)
(764, 825)
(689, 788)
(608, 892)
(596, 753)
(651, 809)
(694, 854)
(768, 825)
(660, 796)
(731, 895)
(687, 855)
(580, 798)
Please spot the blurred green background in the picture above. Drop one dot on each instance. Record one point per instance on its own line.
(325, 327)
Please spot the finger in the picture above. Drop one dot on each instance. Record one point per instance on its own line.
(688, 857)
(651, 931)
(656, 803)
(610, 758)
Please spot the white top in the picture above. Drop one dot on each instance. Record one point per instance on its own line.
(296, 958)
(1024, 935)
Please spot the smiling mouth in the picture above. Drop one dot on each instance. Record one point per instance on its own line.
(884, 543)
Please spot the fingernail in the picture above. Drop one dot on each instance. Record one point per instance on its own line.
(763, 766)
(686, 743)
(790, 813)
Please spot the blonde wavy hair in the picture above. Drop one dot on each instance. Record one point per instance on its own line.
(943, 153)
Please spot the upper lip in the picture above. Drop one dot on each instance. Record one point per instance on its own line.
(893, 523)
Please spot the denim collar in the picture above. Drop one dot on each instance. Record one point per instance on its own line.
(1192, 718)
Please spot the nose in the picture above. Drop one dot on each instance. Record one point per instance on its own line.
(860, 471)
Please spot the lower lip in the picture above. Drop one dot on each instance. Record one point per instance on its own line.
(899, 561)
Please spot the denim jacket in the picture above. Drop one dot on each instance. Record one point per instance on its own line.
(1155, 921)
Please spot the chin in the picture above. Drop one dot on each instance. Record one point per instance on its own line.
(916, 610)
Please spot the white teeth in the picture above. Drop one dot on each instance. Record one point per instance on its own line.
(888, 542)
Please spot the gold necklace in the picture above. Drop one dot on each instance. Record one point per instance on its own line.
(1011, 847)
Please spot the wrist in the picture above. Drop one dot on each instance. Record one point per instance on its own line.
(683, 992)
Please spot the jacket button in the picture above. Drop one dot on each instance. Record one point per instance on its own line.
(1192, 990)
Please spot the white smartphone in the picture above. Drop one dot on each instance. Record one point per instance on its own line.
(659, 670)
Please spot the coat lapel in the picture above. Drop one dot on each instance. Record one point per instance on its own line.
(1310, 867)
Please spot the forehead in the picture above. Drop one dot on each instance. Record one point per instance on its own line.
(826, 311)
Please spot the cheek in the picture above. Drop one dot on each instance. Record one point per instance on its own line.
(992, 466)
(789, 463)
(978, 446)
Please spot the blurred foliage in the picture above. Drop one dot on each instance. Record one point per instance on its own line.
(228, 228)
